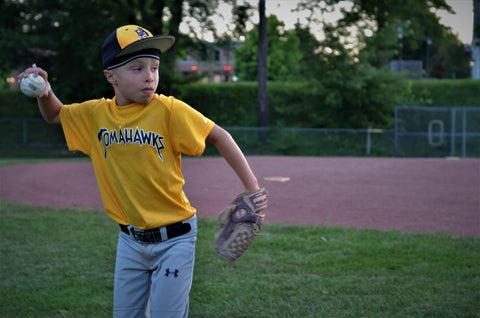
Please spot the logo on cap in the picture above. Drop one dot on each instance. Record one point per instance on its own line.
(141, 33)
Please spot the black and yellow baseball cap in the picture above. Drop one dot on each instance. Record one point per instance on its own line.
(129, 42)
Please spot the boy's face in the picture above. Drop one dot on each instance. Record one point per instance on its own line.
(134, 82)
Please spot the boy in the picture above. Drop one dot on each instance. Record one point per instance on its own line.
(135, 143)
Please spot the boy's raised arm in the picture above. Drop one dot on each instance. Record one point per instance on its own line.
(48, 103)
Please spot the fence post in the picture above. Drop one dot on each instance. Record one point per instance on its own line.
(452, 132)
(371, 131)
(464, 133)
(395, 141)
(369, 142)
(24, 131)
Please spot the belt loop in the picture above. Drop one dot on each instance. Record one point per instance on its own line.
(163, 233)
(131, 230)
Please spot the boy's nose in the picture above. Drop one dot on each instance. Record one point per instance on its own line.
(150, 76)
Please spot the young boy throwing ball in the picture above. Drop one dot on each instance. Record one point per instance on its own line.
(135, 142)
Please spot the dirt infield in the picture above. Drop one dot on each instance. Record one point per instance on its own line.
(412, 195)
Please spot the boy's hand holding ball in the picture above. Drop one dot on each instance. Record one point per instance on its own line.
(33, 85)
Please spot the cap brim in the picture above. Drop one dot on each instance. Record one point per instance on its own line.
(160, 42)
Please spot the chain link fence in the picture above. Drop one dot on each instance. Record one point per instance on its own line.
(312, 142)
(32, 138)
(419, 132)
(437, 132)
(35, 138)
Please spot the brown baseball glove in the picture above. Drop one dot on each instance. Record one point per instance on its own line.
(240, 223)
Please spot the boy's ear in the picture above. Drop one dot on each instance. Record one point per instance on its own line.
(109, 76)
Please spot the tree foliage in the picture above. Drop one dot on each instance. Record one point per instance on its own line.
(386, 30)
(284, 53)
(345, 67)
(65, 37)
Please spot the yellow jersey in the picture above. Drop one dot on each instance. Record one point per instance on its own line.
(136, 155)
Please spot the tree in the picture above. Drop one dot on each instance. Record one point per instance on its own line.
(308, 45)
(47, 33)
(284, 53)
(241, 13)
(386, 29)
(408, 30)
(452, 60)
(262, 67)
(356, 94)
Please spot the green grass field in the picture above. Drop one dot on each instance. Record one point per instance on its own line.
(59, 263)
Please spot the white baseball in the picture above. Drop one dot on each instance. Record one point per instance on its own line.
(32, 86)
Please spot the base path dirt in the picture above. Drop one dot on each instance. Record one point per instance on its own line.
(411, 195)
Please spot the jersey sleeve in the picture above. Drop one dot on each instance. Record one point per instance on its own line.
(189, 128)
(76, 120)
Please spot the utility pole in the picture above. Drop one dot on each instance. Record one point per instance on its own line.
(262, 67)
(475, 61)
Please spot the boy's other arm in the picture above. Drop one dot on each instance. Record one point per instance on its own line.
(48, 103)
(234, 156)
(50, 108)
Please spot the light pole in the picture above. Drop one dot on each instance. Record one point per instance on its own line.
(427, 61)
(475, 61)
(400, 54)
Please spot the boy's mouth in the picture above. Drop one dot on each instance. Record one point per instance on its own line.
(148, 90)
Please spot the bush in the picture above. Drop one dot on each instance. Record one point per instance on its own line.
(229, 104)
(462, 92)
(360, 102)
(363, 101)
(13, 104)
